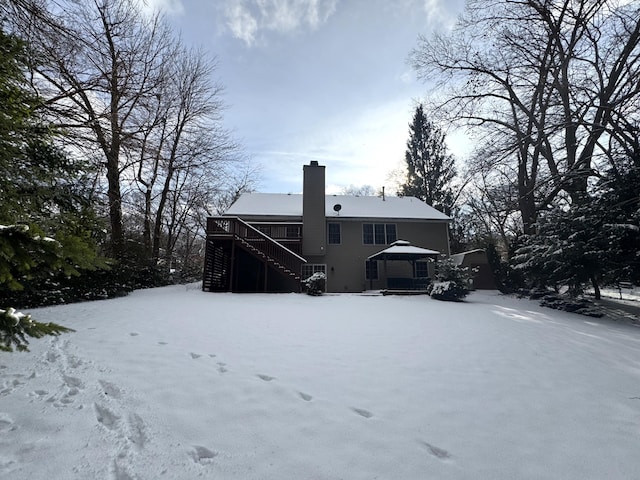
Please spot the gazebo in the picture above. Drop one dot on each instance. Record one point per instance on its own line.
(401, 250)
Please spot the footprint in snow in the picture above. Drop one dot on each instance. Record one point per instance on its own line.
(120, 473)
(72, 382)
(222, 367)
(362, 412)
(436, 451)
(6, 423)
(162, 343)
(202, 454)
(110, 389)
(106, 417)
(305, 397)
(134, 334)
(9, 386)
(137, 431)
(195, 355)
(266, 378)
(52, 356)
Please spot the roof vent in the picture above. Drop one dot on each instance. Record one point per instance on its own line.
(337, 207)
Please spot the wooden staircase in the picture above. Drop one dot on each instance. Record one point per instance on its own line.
(225, 234)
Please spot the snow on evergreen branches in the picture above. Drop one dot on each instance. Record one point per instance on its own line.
(16, 326)
(452, 281)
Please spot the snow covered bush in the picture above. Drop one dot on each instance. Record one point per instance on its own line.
(452, 281)
(315, 284)
(16, 326)
(448, 291)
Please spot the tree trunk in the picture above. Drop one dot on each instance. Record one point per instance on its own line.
(596, 287)
(115, 206)
(147, 222)
(157, 229)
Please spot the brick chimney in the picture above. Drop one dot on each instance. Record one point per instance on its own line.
(313, 215)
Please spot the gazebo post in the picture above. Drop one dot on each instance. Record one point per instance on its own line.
(386, 275)
(413, 272)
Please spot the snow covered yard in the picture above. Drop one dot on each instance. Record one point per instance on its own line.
(179, 384)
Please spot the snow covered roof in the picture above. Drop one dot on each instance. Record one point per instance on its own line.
(403, 250)
(458, 258)
(290, 205)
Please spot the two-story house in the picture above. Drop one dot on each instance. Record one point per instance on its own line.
(270, 242)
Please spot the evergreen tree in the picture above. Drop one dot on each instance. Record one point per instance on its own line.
(430, 169)
(45, 219)
(452, 281)
(41, 189)
(595, 242)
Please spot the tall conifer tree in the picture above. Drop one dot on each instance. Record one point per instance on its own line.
(430, 168)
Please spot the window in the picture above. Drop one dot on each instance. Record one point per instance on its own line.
(367, 233)
(309, 269)
(378, 233)
(371, 270)
(391, 232)
(293, 231)
(334, 233)
(422, 269)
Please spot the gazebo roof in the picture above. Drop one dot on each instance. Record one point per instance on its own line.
(403, 250)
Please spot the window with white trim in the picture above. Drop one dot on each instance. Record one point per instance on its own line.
(379, 233)
(309, 269)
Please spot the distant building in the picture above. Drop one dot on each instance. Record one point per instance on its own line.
(477, 259)
(270, 242)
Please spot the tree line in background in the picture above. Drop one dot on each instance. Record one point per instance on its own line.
(549, 93)
(112, 150)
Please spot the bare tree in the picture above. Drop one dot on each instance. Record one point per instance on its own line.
(184, 142)
(546, 85)
(99, 62)
(139, 102)
(359, 191)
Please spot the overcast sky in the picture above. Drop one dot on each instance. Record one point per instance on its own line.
(324, 80)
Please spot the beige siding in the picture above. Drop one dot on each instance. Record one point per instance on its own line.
(346, 262)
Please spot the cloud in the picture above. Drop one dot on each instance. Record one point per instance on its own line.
(170, 7)
(241, 22)
(246, 19)
(438, 13)
(357, 147)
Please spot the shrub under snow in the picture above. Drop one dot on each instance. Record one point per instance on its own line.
(315, 284)
(452, 281)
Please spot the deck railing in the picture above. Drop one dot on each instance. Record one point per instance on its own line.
(274, 251)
